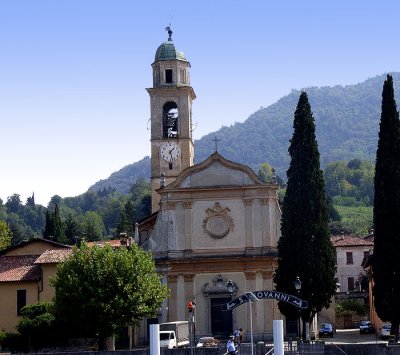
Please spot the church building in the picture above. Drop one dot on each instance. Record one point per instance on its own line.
(215, 225)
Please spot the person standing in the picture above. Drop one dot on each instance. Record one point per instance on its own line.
(236, 334)
(230, 346)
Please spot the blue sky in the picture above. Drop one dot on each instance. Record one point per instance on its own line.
(73, 73)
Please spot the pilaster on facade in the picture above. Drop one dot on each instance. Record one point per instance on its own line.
(188, 222)
(172, 301)
(248, 222)
(189, 288)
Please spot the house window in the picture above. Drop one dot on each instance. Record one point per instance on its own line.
(350, 283)
(21, 301)
(183, 76)
(349, 257)
(168, 76)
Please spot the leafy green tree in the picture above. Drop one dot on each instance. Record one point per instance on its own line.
(350, 183)
(386, 266)
(111, 213)
(349, 306)
(5, 235)
(14, 204)
(99, 290)
(38, 323)
(71, 229)
(92, 226)
(305, 249)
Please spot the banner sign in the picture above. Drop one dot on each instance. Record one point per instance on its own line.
(273, 295)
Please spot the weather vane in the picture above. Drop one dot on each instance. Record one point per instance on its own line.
(168, 29)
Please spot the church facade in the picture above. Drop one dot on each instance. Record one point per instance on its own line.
(214, 224)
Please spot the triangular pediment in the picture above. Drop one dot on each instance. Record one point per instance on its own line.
(215, 171)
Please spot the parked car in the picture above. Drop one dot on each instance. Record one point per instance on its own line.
(366, 327)
(385, 331)
(326, 330)
(207, 342)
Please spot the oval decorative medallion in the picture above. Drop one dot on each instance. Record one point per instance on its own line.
(218, 222)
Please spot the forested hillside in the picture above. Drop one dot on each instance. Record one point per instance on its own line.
(346, 118)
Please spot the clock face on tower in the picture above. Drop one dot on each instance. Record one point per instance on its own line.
(170, 151)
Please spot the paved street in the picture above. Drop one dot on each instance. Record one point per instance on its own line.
(351, 336)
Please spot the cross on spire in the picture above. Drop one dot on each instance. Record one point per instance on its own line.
(216, 140)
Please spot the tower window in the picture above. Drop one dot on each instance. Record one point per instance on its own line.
(182, 74)
(170, 120)
(170, 166)
(168, 76)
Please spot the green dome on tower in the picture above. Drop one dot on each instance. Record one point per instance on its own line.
(167, 51)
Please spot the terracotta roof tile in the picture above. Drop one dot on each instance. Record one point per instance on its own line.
(53, 256)
(19, 268)
(349, 241)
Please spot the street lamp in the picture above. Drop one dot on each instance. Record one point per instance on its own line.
(230, 287)
(297, 286)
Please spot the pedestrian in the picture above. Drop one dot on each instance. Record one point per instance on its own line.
(240, 335)
(230, 346)
(236, 334)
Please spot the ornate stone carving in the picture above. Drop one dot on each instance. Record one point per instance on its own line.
(263, 201)
(172, 278)
(250, 275)
(188, 277)
(170, 205)
(247, 202)
(219, 285)
(187, 205)
(267, 275)
(218, 222)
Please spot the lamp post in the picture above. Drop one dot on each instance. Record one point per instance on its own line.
(191, 307)
(297, 286)
(230, 286)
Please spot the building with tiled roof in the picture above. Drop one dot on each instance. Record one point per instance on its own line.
(25, 272)
(350, 252)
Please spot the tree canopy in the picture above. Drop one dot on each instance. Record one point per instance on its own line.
(5, 235)
(304, 248)
(99, 289)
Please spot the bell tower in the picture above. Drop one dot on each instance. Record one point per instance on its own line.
(171, 97)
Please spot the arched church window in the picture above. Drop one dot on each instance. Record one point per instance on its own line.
(170, 120)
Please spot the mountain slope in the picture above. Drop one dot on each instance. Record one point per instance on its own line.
(346, 118)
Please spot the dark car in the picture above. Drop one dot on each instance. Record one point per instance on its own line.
(326, 330)
(366, 327)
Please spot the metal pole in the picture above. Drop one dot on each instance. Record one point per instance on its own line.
(190, 333)
(154, 339)
(251, 327)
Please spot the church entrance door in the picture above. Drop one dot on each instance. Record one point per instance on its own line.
(221, 321)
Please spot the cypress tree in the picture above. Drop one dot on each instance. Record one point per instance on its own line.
(305, 249)
(48, 232)
(386, 265)
(54, 228)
